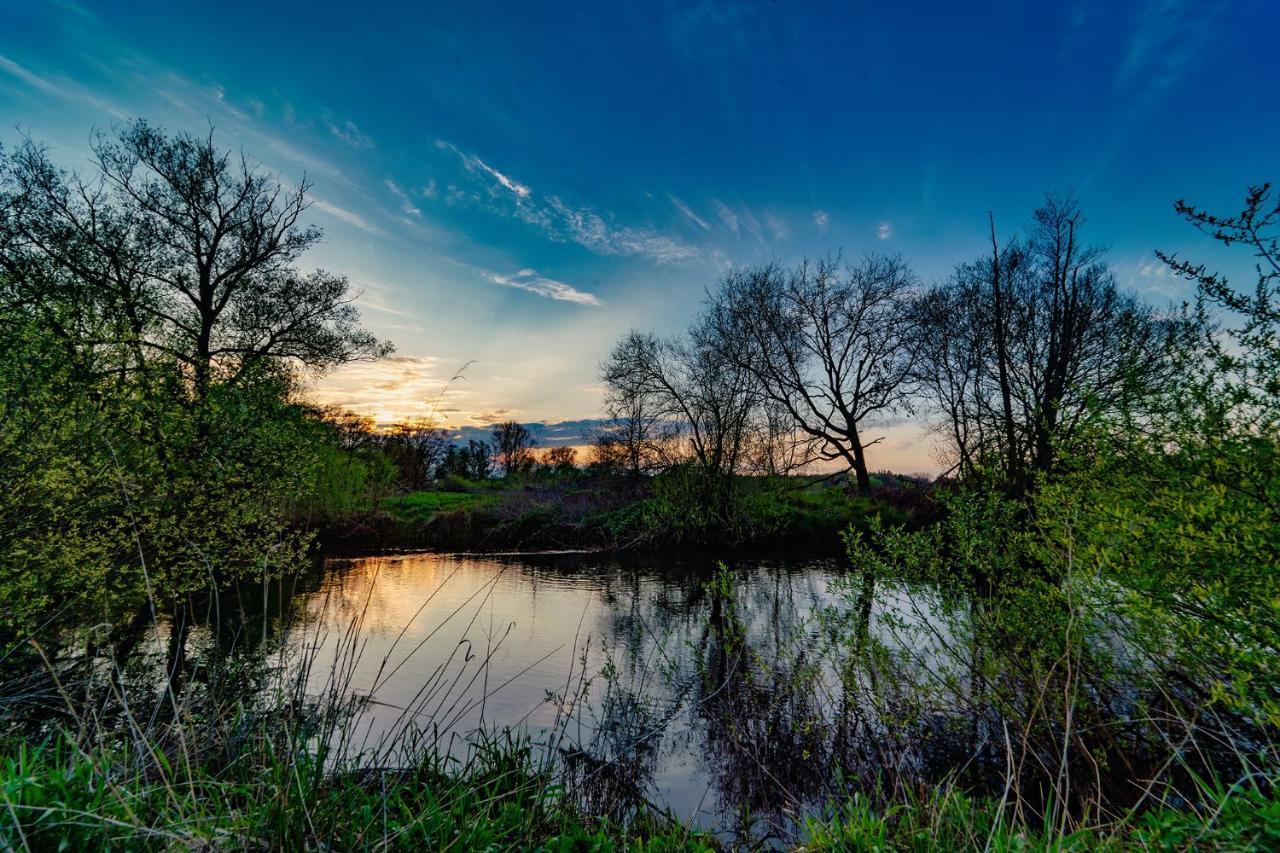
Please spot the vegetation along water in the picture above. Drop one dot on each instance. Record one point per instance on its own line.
(232, 618)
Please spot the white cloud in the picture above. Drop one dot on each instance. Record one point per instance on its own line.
(349, 217)
(822, 220)
(778, 228)
(727, 216)
(688, 213)
(557, 219)
(530, 280)
(1154, 269)
(406, 203)
(349, 133)
(475, 164)
(588, 228)
(428, 189)
(884, 230)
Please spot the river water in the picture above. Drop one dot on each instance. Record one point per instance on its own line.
(671, 688)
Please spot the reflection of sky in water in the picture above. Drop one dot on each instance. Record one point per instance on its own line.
(428, 623)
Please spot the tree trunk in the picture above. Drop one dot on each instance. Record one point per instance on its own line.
(179, 632)
(860, 466)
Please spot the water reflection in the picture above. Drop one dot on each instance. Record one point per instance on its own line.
(699, 697)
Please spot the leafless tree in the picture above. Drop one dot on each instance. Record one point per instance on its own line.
(700, 405)
(563, 458)
(1017, 348)
(830, 344)
(418, 448)
(633, 437)
(513, 446)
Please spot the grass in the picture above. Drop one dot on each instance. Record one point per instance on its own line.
(424, 506)
(271, 790)
(944, 818)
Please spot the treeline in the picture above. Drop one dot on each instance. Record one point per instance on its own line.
(369, 462)
(790, 365)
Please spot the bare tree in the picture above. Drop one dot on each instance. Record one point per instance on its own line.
(701, 406)
(513, 445)
(418, 447)
(829, 343)
(1017, 348)
(559, 459)
(634, 436)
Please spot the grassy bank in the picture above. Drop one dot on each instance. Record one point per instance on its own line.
(270, 790)
(581, 510)
(266, 788)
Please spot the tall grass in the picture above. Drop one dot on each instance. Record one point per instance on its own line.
(274, 749)
(277, 754)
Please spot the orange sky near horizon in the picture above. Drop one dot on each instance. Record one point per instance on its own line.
(400, 388)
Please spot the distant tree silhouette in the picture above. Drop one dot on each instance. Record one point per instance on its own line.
(830, 344)
(513, 446)
(560, 458)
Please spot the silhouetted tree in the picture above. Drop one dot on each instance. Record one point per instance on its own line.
(560, 459)
(830, 344)
(472, 461)
(513, 446)
(417, 447)
(701, 404)
(1017, 348)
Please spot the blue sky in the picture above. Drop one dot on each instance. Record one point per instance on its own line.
(516, 185)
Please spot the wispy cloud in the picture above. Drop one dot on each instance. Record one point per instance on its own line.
(64, 90)
(406, 203)
(777, 227)
(393, 389)
(349, 217)
(884, 230)
(349, 133)
(557, 219)
(475, 164)
(727, 216)
(587, 228)
(530, 280)
(1167, 41)
(689, 214)
(822, 220)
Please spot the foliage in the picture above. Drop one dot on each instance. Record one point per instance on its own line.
(948, 819)
(423, 506)
(153, 320)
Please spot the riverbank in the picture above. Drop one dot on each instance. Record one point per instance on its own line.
(265, 790)
(582, 511)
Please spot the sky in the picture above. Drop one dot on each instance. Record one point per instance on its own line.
(511, 187)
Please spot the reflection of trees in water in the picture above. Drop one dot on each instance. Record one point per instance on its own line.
(726, 671)
(788, 696)
(778, 690)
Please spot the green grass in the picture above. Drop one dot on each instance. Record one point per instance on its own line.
(268, 788)
(1240, 818)
(271, 791)
(424, 506)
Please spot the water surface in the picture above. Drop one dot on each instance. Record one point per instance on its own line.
(676, 681)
